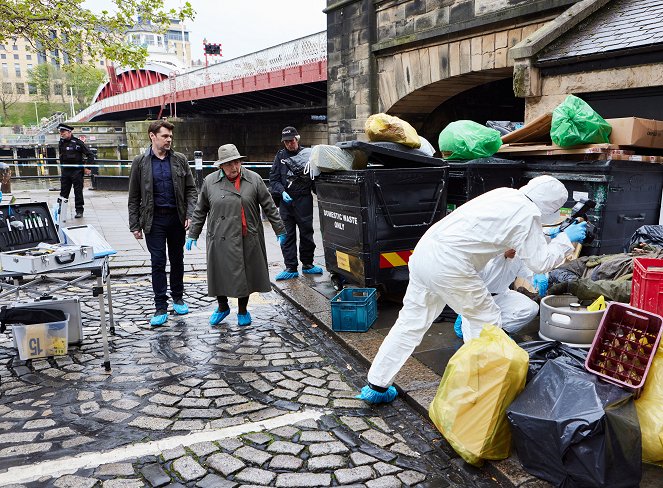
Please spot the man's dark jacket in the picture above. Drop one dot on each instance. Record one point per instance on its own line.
(141, 190)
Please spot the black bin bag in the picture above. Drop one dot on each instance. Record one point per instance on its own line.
(576, 431)
(540, 352)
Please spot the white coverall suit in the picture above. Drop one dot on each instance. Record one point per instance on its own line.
(517, 310)
(444, 267)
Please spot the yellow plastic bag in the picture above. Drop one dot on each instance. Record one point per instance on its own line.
(387, 128)
(650, 412)
(479, 383)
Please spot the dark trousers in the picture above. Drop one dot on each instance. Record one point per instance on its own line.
(69, 177)
(166, 230)
(298, 214)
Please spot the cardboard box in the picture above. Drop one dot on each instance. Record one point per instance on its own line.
(634, 131)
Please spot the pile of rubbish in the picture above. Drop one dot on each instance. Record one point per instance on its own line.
(576, 418)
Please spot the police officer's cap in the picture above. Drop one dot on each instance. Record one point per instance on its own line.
(65, 127)
(289, 133)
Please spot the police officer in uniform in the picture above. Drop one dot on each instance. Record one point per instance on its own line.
(72, 150)
(293, 188)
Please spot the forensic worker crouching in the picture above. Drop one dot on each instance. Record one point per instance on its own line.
(230, 200)
(444, 268)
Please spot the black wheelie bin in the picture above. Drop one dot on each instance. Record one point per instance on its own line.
(627, 196)
(371, 219)
(471, 178)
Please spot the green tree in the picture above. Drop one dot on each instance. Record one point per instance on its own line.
(79, 32)
(84, 80)
(8, 97)
(41, 76)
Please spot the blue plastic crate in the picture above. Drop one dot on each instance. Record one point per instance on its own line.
(354, 309)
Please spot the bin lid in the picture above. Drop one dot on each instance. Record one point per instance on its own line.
(392, 154)
(590, 166)
(487, 163)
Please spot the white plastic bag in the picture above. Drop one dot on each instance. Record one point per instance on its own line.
(328, 159)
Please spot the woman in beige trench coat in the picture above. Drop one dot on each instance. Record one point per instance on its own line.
(230, 200)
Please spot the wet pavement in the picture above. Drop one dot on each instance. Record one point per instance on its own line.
(227, 394)
(189, 405)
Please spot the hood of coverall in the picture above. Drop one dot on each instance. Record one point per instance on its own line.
(549, 194)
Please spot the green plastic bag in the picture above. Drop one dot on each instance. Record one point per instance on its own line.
(575, 122)
(465, 139)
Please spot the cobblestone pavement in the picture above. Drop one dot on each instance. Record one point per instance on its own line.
(271, 404)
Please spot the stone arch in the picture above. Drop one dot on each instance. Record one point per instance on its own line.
(413, 83)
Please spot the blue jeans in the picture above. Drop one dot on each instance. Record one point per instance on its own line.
(166, 230)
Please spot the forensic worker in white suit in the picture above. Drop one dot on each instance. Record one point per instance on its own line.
(517, 310)
(444, 268)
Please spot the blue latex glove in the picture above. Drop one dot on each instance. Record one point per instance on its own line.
(286, 198)
(577, 232)
(281, 239)
(369, 395)
(540, 282)
(552, 233)
(190, 242)
(458, 326)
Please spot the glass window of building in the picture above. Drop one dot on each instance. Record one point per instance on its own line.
(3, 56)
(7, 87)
(28, 57)
(32, 89)
(15, 56)
(57, 89)
(17, 70)
(20, 88)
(5, 69)
(15, 47)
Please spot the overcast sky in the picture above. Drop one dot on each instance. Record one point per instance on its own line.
(247, 26)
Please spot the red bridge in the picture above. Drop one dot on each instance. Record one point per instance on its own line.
(289, 76)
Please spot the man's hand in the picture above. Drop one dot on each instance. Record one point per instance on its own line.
(138, 234)
(187, 223)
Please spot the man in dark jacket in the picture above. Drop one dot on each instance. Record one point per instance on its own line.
(162, 198)
(289, 184)
(72, 150)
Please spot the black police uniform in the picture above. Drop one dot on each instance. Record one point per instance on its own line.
(295, 215)
(72, 152)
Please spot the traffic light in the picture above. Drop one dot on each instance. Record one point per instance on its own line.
(212, 49)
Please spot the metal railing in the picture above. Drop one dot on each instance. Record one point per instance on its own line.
(31, 140)
(114, 164)
(306, 50)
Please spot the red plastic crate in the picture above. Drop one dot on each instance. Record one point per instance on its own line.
(624, 346)
(647, 285)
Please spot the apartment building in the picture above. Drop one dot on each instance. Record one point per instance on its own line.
(19, 56)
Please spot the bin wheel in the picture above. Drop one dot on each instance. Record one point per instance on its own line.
(337, 281)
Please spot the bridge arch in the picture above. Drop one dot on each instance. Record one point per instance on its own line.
(417, 83)
(126, 79)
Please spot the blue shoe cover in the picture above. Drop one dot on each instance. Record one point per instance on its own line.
(286, 275)
(458, 329)
(312, 270)
(181, 308)
(158, 320)
(244, 319)
(369, 395)
(217, 316)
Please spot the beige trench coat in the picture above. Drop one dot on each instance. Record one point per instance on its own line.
(236, 265)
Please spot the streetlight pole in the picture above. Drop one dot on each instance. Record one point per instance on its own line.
(36, 113)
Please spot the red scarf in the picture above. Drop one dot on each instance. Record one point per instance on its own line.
(245, 229)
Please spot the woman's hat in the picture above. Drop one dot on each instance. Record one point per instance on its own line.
(227, 153)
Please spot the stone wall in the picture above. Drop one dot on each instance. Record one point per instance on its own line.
(379, 51)
(554, 89)
(257, 137)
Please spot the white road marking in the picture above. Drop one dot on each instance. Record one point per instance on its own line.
(71, 464)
